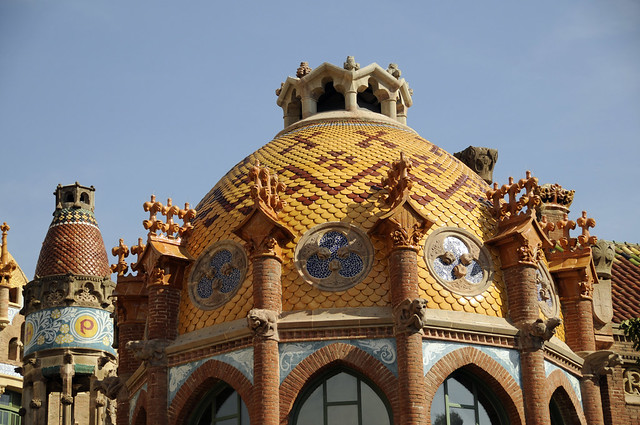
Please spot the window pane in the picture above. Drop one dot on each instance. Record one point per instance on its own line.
(342, 387)
(460, 416)
(245, 413)
(342, 415)
(311, 412)
(374, 412)
(437, 408)
(233, 421)
(227, 403)
(458, 393)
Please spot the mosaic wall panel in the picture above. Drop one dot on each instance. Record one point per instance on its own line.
(241, 360)
(10, 370)
(292, 353)
(134, 401)
(68, 327)
(432, 351)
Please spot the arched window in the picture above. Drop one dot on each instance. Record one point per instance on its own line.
(331, 99)
(463, 399)
(561, 408)
(221, 406)
(341, 398)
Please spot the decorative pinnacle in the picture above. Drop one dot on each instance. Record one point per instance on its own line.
(303, 70)
(169, 211)
(394, 70)
(121, 251)
(6, 266)
(513, 207)
(351, 64)
(566, 242)
(137, 250)
(555, 194)
(265, 188)
(397, 182)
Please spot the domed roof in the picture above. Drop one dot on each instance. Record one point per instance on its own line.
(332, 164)
(73, 243)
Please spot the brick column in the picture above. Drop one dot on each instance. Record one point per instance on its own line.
(614, 407)
(403, 270)
(267, 300)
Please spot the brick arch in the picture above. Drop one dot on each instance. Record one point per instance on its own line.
(139, 416)
(484, 368)
(558, 386)
(200, 381)
(337, 354)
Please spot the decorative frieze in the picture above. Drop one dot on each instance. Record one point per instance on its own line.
(68, 290)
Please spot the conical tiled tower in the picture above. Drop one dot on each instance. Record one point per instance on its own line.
(68, 328)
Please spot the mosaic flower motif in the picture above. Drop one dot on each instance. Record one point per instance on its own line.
(334, 256)
(106, 341)
(40, 340)
(64, 328)
(457, 262)
(217, 275)
(55, 314)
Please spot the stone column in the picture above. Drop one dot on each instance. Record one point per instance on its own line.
(351, 100)
(67, 372)
(4, 306)
(403, 270)
(267, 301)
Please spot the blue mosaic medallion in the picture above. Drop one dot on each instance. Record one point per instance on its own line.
(334, 256)
(217, 275)
(458, 261)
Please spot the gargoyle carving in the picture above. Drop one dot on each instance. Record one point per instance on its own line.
(600, 363)
(151, 352)
(534, 335)
(411, 316)
(480, 160)
(109, 386)
(263, 323)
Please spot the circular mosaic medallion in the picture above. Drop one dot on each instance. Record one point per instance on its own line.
(458, 261)
(217, 274)
(547, 298)
(334, 256)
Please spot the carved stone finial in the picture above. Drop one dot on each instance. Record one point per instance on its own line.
(7, 266)
(410, 316)
(265, 188)
(555, 194)
(137, 250)
(514, 206)
(603, 254)
(481, 160)
(584, 222)
(303, 70)
(186, 215)
(394, 70)
(279, 89)
(397, 181)
(121, 251)
(170, 227)
(351, 64)
(154, 207)
(534, 335)
(263, 323)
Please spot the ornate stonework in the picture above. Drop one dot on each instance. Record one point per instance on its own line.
(217, 274)
(480, 160)
(532, 336)
(632, 381)
(547, 296)
(334, 256)
(555, 194)
(603, 253)
(152, 352)
(410, 316)
(458, 261)
(263, 323)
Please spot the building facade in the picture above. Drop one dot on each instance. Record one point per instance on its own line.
(351, 272)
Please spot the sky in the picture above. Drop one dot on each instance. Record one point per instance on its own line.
(164, 97)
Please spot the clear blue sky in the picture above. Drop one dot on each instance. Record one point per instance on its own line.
(141, 97)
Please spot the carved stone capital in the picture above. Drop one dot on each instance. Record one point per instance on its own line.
(410, 316)
(532, 336)
(151, 352)
(35, 403)
(66, 399)
(263, 323)
(599, 363)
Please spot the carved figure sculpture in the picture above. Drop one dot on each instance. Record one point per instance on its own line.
(534, 335)
(411, 316)
(263, 323)
(303, 70)
(481, 160)
(394, 70)
(149, 351)
(351, 64)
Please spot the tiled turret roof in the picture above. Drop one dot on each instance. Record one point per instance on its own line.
(625, 282)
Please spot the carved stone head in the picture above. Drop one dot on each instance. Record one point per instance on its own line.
(480, 160)
(603, 254)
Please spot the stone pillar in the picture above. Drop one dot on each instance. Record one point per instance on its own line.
(351, 100)
(267, 300)
(39, 403)
(388, 108)
(309, 106)
(67, 372)
(403, 270)
(4, 306)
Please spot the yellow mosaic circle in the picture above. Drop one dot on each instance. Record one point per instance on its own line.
(86, 326)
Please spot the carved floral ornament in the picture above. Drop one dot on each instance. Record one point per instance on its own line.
(217, 275)
(334, 256)
(459, 261)
(632, 381)
(546, 292)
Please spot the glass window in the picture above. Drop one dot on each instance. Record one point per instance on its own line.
(10, 403)
(341, 398)
(221, 406)
(464, 400)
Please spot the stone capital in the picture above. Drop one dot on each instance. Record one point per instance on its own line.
(574, 272)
